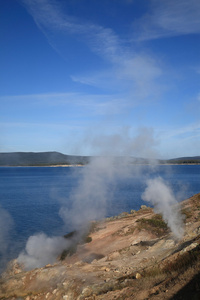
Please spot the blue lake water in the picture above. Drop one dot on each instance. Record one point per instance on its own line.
(32, 196)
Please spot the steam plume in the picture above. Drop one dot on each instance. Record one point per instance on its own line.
(161, 196)
(6, 225)
(41, 250)
(89, 200)
(90, 197)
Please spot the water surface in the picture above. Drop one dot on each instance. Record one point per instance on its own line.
(33, 196)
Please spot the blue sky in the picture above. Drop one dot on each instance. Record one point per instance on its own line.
(87, 77)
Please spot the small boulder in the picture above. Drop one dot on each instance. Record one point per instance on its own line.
(143, 207)
(138, 276)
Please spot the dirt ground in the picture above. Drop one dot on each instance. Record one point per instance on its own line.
(127, 257)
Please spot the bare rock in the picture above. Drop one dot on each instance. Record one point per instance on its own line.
(107, 268)
(138, 275)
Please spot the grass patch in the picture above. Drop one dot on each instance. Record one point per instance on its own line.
(144, 210)
(153, 272)
(179, 265)
(183, 261)
(75, 239)
(156, 225)
(68, 252)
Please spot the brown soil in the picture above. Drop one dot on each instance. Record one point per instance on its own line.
(124, 260)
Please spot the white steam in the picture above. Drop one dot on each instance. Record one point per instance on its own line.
(127, 142)
(89, 199)
(98, 179)
(41, 250)
(6, 226)
(162, 197)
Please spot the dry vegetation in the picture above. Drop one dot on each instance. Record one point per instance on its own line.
(155, 225)
(131, 256)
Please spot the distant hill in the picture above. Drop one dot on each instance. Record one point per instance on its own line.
(183, 160)
(56, 158)
(40, 159)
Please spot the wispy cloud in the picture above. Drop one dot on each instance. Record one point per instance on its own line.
(126, 141)
(168, 18)
(48, 15)
(96, 104)
(191, 130)
(128, 76)
(198, 70)
(180, 141)
(127, 69)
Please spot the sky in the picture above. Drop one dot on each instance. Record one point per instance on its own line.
(112, 76)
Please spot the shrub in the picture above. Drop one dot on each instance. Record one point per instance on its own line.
(76, 239)
(68, 252)
(155, 225)
(183, 261)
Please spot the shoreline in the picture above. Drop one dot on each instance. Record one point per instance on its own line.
(79, 165)
(42, 166)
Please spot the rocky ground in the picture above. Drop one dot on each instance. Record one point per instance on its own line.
(131, 256)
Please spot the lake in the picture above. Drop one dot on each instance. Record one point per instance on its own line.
(31, 197)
